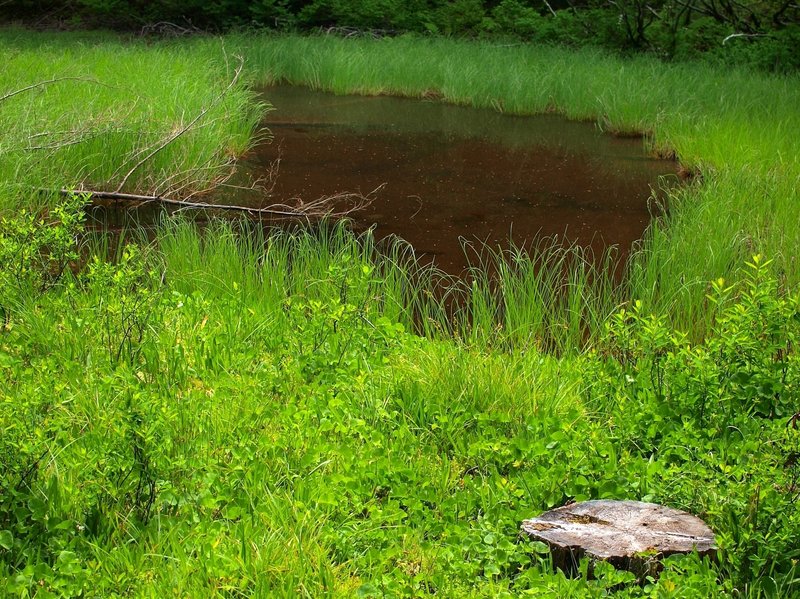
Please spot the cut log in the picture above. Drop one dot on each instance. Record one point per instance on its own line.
(630, 535)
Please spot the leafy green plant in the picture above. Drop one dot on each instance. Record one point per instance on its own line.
(333, 332)
(127, 302)
(749, 357)
(755, 340)
(36, 250)
(518, 18)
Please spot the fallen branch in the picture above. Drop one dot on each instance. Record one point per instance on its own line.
(167, 29)
(735, 35)
(319, 208)
(64, 143)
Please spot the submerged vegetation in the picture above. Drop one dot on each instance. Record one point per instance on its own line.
(249, 412)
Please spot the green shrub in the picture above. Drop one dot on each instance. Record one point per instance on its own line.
(460, 16)
(747, 366)
(36, 250)
(512, 16)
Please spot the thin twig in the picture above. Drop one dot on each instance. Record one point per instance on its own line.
(734, 35)
(173, 184)
(547, 4)
(48, 82)
(66, 143)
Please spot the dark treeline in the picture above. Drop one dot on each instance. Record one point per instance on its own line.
(764, 33)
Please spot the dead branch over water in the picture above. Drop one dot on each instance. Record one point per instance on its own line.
(337, 205)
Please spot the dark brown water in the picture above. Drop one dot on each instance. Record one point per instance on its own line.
(451, 173)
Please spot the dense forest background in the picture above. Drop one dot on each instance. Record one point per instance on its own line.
(762, 33)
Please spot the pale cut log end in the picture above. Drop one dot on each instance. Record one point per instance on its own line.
(630, 535)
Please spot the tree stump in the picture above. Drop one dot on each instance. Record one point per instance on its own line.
(630, 535)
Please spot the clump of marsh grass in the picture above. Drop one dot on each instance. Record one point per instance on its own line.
(106, 117)
(552, 297)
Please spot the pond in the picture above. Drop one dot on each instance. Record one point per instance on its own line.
(449, 174)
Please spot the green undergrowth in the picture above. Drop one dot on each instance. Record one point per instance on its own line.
(233, 411)
(211, 416)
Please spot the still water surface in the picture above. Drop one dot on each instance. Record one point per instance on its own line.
(453, 173)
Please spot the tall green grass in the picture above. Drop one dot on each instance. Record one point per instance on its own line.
(267, 265)
(737, 129)
(98, 106)
(549, 298)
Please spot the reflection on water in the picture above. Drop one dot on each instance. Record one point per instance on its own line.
(452, 172)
